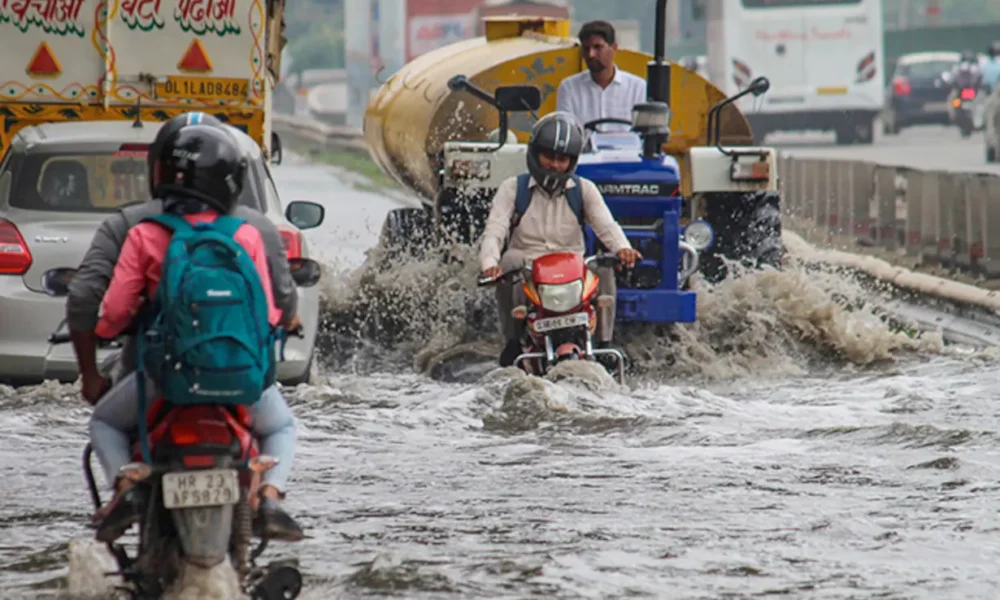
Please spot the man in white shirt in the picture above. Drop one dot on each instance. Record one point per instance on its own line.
(603, 91)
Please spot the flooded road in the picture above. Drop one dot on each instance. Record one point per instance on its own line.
(783, 447)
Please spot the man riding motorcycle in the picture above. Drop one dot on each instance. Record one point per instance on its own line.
(117, 412)
(548, 225)
(967, 72)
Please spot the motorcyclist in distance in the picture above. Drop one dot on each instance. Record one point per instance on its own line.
(549, 224)
(967, 72)
(200, 195)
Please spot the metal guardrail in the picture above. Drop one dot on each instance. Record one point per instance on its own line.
(939, 218)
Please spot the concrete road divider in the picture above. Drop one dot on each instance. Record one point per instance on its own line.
(941, 218)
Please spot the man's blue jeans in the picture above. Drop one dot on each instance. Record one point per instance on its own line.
(117, 414)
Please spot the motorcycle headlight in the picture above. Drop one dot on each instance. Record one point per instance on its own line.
(561, 297)
(699, 234)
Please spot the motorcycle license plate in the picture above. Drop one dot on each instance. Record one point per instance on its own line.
(193, 489)
(562, 322)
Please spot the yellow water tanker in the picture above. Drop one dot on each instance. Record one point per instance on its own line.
(414, 113)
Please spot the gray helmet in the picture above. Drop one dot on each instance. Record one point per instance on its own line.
(558, 132)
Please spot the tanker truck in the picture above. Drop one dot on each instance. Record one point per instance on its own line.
(685, 183)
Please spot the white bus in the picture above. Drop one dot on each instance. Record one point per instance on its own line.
(823, 59)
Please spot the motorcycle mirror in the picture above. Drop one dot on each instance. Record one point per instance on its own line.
(55, 282)
(305, 271)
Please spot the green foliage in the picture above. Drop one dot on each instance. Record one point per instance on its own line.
(315, 32)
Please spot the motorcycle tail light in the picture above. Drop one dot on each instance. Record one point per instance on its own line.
(968, 94)
(201, 432)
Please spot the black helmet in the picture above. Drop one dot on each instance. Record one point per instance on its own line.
(204, 163)
(167, 130)
(558, 132)
(969, 56)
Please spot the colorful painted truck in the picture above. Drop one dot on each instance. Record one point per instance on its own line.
(70, 60)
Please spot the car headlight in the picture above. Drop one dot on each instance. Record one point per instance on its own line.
(561, 297)
(699, 234)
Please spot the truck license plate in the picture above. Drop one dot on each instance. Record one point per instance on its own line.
(192, 489)
(205, 88)
(562, 322)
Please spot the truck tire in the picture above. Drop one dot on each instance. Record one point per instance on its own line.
(406, 232)
(747, 229)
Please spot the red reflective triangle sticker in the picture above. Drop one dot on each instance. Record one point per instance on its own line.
(195, 59)
(43, 63)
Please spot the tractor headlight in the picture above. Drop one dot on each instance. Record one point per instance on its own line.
(699, 234)
(561, 297)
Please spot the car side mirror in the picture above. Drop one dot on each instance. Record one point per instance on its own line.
(305, 271)
(305, 215)
(276, 152)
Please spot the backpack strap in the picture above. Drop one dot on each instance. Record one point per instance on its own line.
(227, 224)
(575, 197)
(170, 221)
(521, 201)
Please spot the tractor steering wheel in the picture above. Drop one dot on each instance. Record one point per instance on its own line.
(592, 125)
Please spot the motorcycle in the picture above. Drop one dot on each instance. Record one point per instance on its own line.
(967, 105)
(561, 312)
(197, 492)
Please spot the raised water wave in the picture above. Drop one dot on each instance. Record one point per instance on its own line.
(426, 312)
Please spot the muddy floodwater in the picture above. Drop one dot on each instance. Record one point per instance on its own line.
(790, 445)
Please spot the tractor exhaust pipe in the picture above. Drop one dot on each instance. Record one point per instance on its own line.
(658, 70)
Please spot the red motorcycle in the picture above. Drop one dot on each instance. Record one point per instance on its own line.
(197, 490)
(561, 312)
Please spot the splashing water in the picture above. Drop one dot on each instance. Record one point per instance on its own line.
(426, 311)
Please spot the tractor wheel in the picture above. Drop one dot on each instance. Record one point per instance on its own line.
(747, 229)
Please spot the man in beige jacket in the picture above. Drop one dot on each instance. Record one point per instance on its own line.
(551, 223)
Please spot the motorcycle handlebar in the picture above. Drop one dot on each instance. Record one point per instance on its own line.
(599, 260)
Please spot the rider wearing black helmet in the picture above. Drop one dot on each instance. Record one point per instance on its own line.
(167, 130)
(200, 167)
(543, 212)
(200, 173)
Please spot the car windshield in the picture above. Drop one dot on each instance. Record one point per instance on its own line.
(86, 181)
(928, 69)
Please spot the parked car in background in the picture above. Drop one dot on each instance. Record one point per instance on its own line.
(58, 182)
(918, 91)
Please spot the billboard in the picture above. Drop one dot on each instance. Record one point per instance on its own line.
(432, 24)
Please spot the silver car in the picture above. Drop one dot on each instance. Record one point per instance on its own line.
(58, 182)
